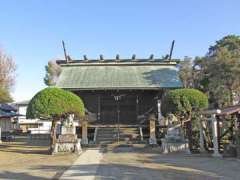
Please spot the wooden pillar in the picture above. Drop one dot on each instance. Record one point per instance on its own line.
(99, 108)
(152, 130)
(137, 107)
(215, 136)
(84, 132)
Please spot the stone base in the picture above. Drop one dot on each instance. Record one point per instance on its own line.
(168, 147)
(216, 155)
(84, 141)
(68, 147)
(238, 151)
(152, 141)
(230, 150)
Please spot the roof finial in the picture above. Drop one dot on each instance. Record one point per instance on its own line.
(171, 51)
(133, 56)
(101, 57)
(117, 57)
(151, 57)
(85, 58)
(65, 52)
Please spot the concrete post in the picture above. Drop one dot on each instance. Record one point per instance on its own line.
(152, 130)
(215, 136)
(84, 132)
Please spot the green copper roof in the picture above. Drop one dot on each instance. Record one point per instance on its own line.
(114, 76)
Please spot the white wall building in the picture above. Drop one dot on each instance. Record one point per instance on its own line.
(35, 126)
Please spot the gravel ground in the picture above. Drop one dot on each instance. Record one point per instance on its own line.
(26, 159)
(141, 163)
(29, 160)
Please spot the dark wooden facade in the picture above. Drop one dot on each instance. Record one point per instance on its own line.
(120, 107)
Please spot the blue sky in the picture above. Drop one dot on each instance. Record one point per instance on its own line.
(31, 31)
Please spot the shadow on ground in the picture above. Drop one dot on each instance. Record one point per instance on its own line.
(132, 172)
(25, 145)
(19, 176)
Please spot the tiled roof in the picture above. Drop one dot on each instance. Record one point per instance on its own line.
(125, 74)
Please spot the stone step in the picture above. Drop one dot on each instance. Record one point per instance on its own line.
(110, 135)
(130, 136)
(120, 133)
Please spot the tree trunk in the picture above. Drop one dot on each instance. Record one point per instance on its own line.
(53, 135)
(189, 135)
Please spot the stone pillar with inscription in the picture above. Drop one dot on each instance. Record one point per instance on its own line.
(84, 132)
(215, 136)
(152, 130)
(201, 138)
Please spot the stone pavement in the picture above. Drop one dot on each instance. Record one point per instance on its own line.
(85, 167)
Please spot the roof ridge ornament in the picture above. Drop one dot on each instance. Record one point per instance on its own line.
(117, 58)
(134, 57)
(171, 51)
(151, 58)
(85, 58)
(101, 57)
(67, 57)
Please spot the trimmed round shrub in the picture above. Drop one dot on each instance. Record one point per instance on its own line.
(183, 101)
(54, 103)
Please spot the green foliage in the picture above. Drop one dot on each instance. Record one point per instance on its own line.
(217, 73)
(182, 102)
(53, 70)
(54, 103)
(186, 72)
(5, 96)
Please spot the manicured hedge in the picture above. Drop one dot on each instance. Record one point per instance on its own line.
(54, 102)
(182, 101)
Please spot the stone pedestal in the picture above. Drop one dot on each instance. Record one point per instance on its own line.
(174, 140)
(168, 146)
(67, 143)
(68, 130)
(152, 131)
(84, 132)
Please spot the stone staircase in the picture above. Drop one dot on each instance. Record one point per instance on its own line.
(108, 135)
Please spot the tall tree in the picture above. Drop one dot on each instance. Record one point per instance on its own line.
(186, 72)
(219, 71)
(5, 96)
(7, 76)
(53, 71)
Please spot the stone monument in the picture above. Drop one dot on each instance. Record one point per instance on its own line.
(174, 139)
(68, 141)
